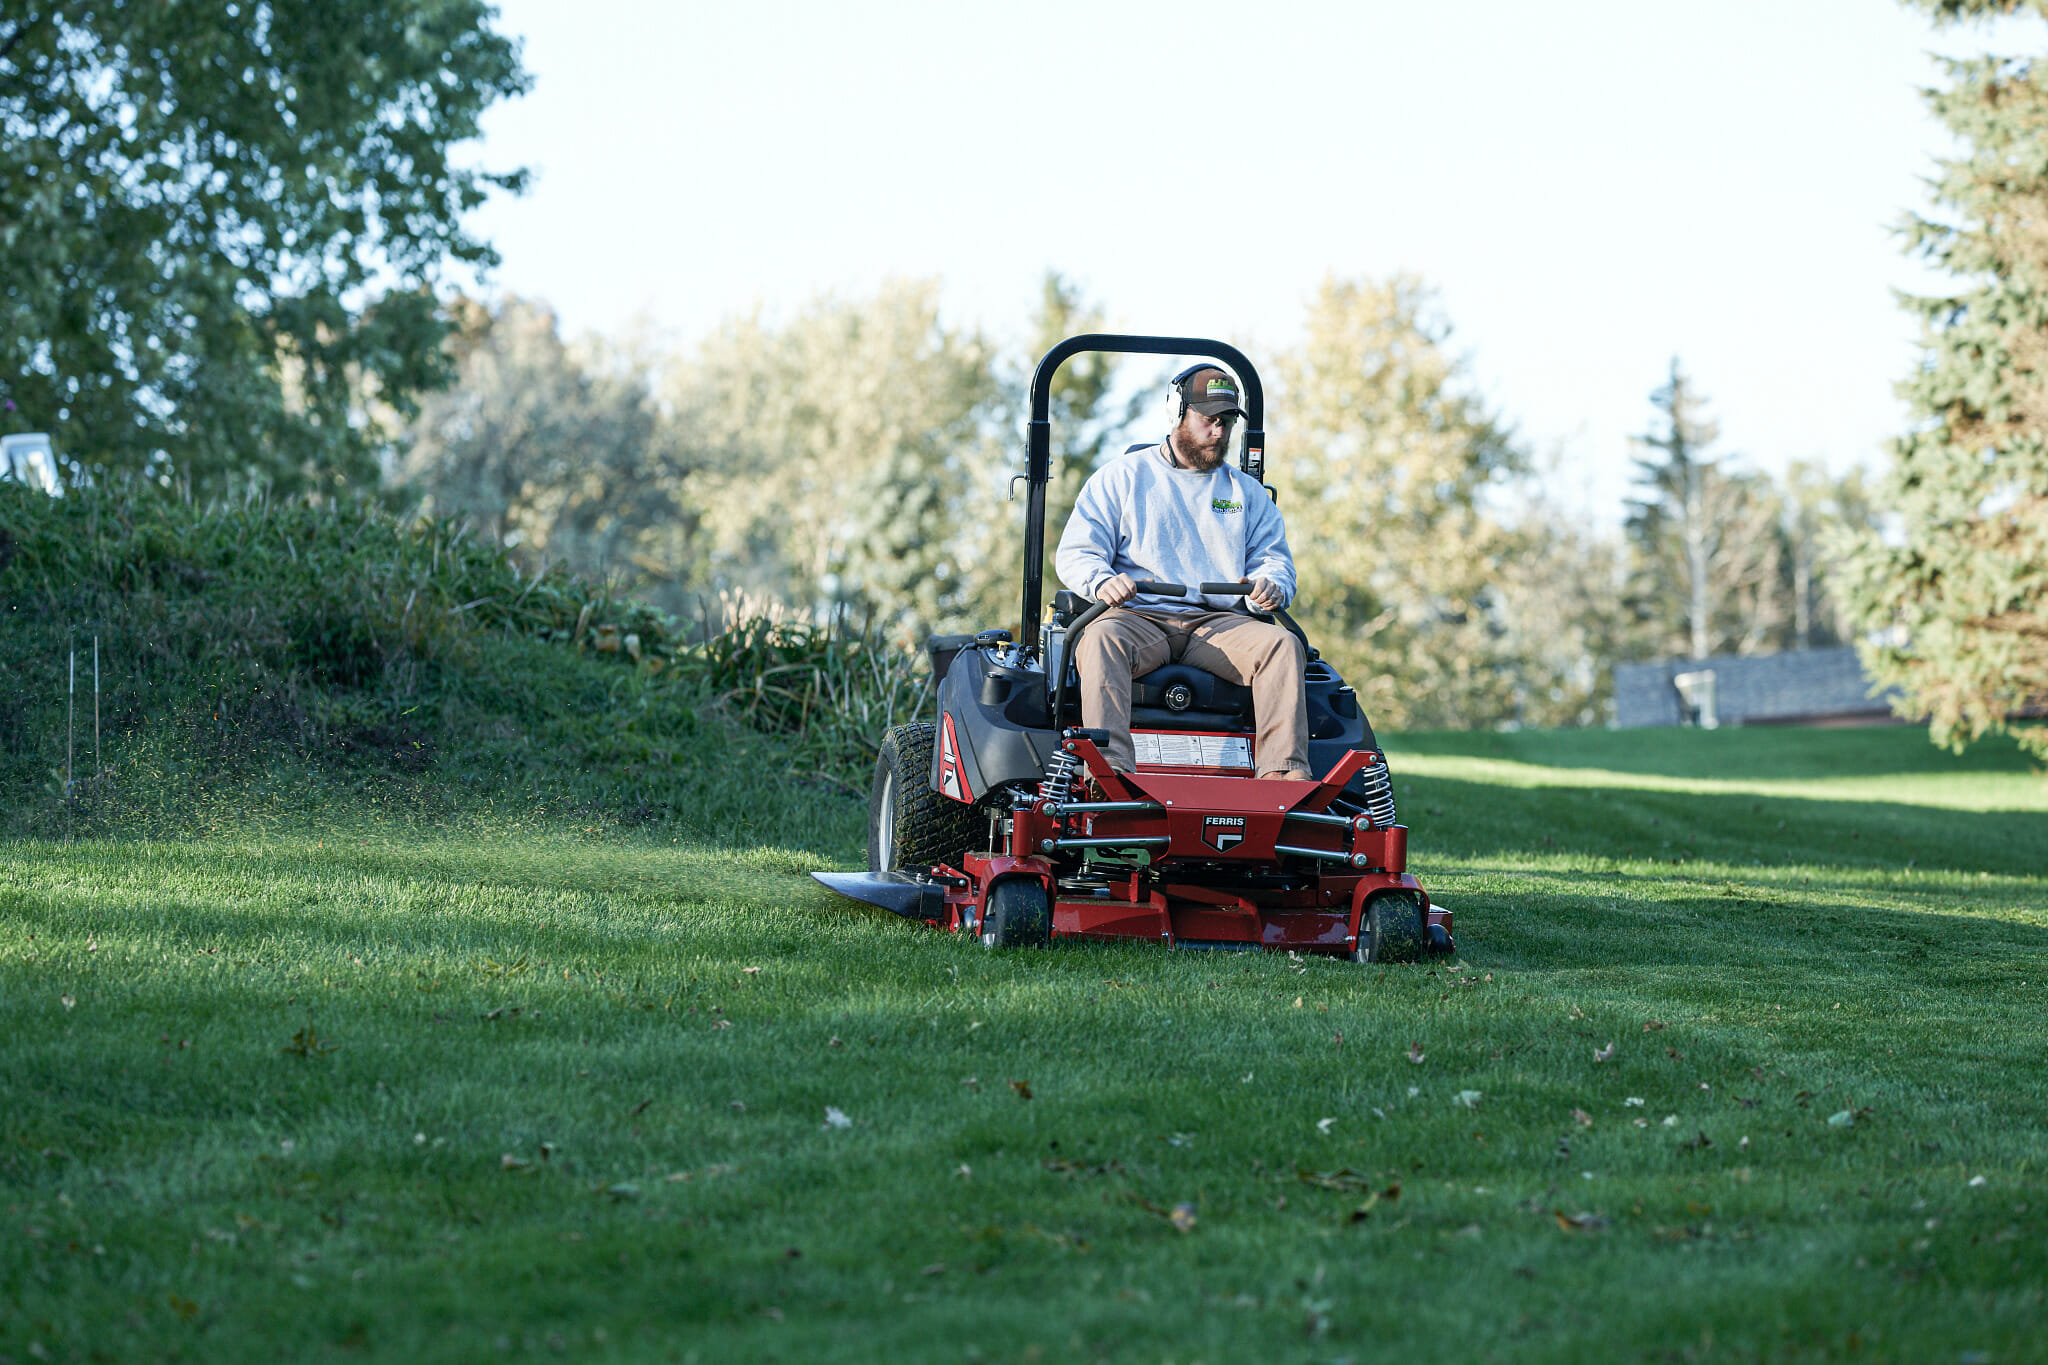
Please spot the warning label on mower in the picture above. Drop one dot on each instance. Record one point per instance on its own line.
(1169, 748)
(1223, 832)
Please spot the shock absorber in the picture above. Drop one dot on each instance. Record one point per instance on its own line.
(1378, 794)
(1061, 770)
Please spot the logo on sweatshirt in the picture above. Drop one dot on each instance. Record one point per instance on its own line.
(1225, 506)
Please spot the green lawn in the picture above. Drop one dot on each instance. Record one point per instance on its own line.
(388, 1094)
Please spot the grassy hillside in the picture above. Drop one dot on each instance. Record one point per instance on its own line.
(262, 662)
(502, 1093)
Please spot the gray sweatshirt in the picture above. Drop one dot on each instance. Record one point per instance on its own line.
(1142, 515)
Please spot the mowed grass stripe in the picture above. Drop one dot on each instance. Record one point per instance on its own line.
(582, 1005)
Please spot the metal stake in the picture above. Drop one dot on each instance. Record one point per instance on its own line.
(70, 710)
(99, 766)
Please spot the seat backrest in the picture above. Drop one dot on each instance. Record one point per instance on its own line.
(1183, 697)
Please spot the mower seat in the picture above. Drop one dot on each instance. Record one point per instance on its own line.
(1183, 697)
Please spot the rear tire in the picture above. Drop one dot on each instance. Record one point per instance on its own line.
(1017, 915)
(1394, 930)
(909, 824)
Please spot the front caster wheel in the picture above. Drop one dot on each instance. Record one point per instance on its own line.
(1017, 915)
(1393, 930)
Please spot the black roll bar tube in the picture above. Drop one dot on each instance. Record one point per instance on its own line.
(1038, 436)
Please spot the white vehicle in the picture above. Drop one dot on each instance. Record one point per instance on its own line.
(27, 458)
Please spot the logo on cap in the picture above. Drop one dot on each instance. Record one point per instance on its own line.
(1221, 388)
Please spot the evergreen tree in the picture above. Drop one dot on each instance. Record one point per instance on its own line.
(1708, 553)
(1953, 610)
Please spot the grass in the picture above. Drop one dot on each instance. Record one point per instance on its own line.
(417, 1092)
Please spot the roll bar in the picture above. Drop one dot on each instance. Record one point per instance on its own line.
(1038, 436)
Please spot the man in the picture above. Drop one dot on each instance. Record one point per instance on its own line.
(1177, 513)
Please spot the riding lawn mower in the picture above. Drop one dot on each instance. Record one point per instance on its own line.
(1001, 818)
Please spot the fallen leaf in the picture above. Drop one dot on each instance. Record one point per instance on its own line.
(721, 1023)
(640, 1108)
(1577, 1013)
(184, 1308)
(1182, 1217)
(1977, 1180)
(750, 971)
(1632, 1102)
(1297, 1002)
(1323, 1126)
(1578, 1222)
(622, 1193)
(834, 1041)
(1023, 1089)
(1415, 1053)
(509, 1162)
(1671, 1120)
(1653, 1024)
(972, 1083)
(836, 1117)
(1603, 1054)
(66, 1001)
(739, 1106)
(964, 1171)
(1340, 1038)
(1582, 1118)
(1843, 1119)
(935, 1268)
(1697, 1143)
(1468, 1098)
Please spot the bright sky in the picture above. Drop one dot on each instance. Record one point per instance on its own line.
(1592, 186)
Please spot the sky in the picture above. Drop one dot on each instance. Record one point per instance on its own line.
(1591, 188)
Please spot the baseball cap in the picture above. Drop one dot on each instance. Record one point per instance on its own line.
(1211, 392)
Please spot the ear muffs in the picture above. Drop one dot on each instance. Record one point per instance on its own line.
(1176, 396)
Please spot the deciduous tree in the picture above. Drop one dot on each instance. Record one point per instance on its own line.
(221, 224)
(556, 452)
(1382, 456)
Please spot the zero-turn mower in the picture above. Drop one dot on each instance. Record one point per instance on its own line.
(1001, 818)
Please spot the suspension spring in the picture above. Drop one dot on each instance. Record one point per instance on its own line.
(1060, 772)
(1376, 792)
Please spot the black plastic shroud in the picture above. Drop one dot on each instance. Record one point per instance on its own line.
(1038, 442)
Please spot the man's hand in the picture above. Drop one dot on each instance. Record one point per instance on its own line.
(1116, 591)
(1265, 594)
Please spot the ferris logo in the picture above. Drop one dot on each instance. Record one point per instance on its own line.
(1223, 832)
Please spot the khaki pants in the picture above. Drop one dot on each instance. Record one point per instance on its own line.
(1124, 644)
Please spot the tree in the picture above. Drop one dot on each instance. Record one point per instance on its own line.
(1707, 549)
(834, 455)
(557, 453)
(1089, 420)
(222, 224)
(1953, 608)
(1815, 504)
(1383, 459)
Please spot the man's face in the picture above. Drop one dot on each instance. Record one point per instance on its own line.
(1202, 441)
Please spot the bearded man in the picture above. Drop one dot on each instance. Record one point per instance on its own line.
(1177, 513)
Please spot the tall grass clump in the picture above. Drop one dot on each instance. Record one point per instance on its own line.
(268, 660)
